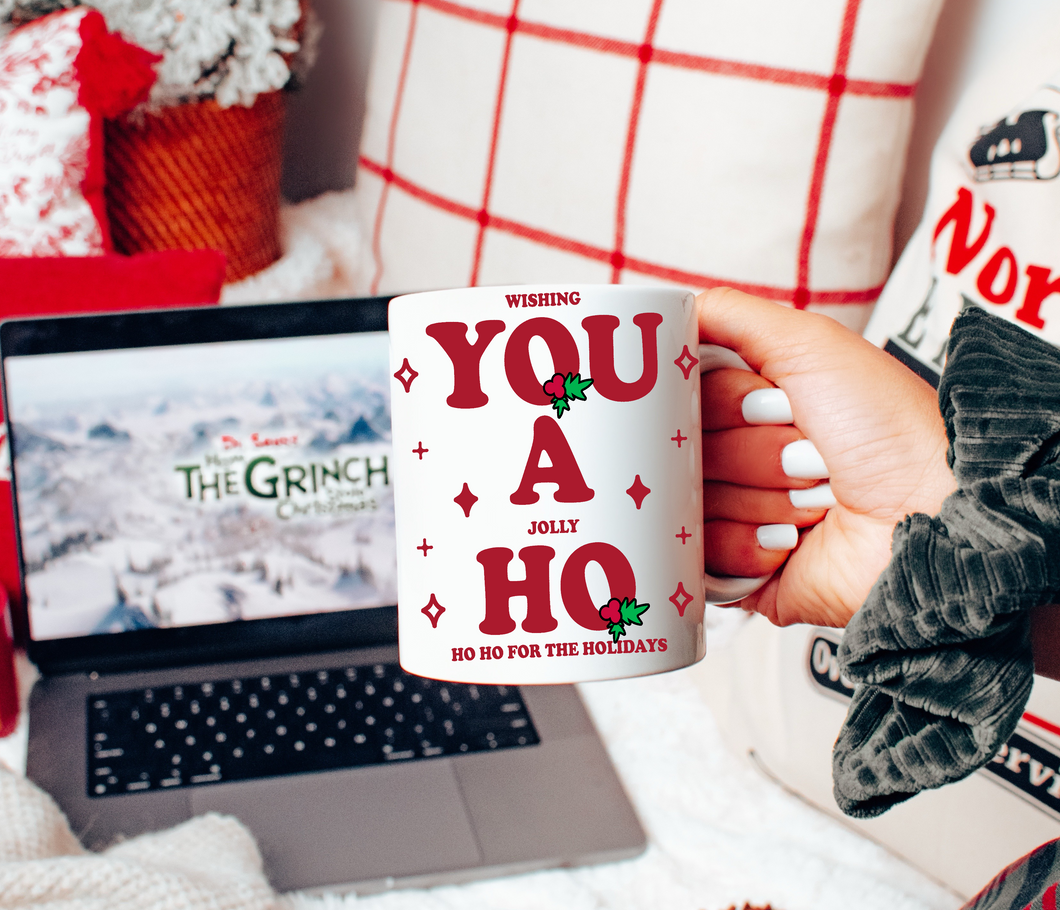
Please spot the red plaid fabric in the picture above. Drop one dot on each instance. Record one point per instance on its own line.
(757, 144)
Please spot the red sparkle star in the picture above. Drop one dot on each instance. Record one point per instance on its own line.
(466, 499)
(638, 491)
(433, 611)
(680, 598)
(686, 361)
(406, 374)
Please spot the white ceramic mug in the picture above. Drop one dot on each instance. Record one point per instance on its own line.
(548, 496)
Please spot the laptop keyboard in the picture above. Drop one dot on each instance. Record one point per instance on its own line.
(263, 726)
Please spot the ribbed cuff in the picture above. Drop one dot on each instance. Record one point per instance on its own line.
(940, 651)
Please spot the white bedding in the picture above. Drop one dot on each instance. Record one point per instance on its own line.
(720, 833)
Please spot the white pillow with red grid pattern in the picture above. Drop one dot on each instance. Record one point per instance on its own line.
(757, 144)
(58, 76)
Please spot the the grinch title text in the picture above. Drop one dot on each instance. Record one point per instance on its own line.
(333, 486)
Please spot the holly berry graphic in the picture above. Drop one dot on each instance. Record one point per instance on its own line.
(565, 389)
(554, 386)
(621, 613)
(612, 611)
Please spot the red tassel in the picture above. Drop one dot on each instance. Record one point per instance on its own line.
(114, 75)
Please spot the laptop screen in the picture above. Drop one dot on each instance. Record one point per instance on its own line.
(216, 480)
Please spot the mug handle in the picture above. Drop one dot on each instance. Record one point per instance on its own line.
(726, 589)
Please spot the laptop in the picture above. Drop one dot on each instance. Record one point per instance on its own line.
(204, 511)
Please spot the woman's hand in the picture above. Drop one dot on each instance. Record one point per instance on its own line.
(875, 424)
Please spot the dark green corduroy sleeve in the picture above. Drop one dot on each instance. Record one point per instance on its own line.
(940, 651)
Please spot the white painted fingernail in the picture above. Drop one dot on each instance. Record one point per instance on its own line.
(766, 407)
(818, 497)
(801, 461)
(777, 537)
(715, 357)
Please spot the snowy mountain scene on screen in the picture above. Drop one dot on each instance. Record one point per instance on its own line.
(206, 483)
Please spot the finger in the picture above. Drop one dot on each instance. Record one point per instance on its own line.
(810, 356)
(735, 548)
(736, 398)
(756, 506)
(829, 575)
(764, 601)
(771, 337)
(715, 357)
(767, 407)
(766, 457)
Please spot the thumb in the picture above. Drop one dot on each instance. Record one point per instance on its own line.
(777, 341)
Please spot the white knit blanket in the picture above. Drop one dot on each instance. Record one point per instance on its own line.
(720, 835)
(208, 862)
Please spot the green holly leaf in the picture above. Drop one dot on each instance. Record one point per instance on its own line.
(561, 405)
(631, 611)
(575, 386)
(617, 630)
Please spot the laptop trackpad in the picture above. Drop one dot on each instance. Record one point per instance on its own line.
(340, 827)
